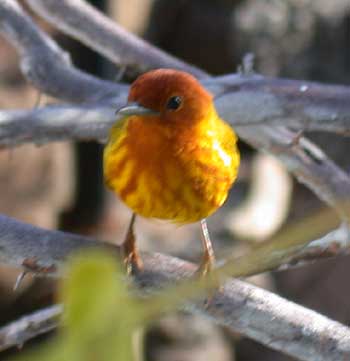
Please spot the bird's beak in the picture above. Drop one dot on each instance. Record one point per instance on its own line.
(134, 108)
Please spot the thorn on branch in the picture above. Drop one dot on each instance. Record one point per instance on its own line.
(296, 138)
(38, 99)
(32, 265)
(19, 280)
(312, 155)
(121, 72)
(247, 66)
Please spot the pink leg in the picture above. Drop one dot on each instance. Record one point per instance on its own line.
(131, 257)
(208, 259)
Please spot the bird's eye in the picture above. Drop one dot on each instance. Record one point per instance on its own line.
(174, 102)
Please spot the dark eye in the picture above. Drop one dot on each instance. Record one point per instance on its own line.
(174, 102)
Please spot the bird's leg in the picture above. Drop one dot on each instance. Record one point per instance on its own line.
(208, 259)
(131, 257)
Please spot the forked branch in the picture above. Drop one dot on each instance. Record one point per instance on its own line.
(242, 307)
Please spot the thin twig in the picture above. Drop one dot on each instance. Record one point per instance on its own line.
(336, 242)
(240, 306)
(19, 280)
(24, 329)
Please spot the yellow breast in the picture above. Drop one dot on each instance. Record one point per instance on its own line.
(182, 175)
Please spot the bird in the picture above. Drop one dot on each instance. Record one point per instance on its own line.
(170, 156)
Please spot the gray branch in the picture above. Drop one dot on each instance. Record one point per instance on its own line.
(245, 101)
(308, 163)
(106, 36)
(244, 308)
(299, 104)
(56, 123)
(24, 329)
(45, 64)
(336, 242)
(285, 252)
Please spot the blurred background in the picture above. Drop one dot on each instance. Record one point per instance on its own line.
(60, 185)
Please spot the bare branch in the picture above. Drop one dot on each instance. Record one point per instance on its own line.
(24, 329)
(336, 242)
(282, 101)
(56, 123)
(298, 104)
(286, 251)
(246, 102)
(18, 247)
(308, 163)
(301, 104)
(44, 64)
(240, 306)
(257, 98)
(80, 20)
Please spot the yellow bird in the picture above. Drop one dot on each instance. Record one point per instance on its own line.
(170, 156)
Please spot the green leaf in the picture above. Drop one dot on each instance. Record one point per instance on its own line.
(99, 314)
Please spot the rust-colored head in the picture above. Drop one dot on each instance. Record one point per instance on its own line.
(177, 96)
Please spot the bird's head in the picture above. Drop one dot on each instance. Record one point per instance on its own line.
(170, 96)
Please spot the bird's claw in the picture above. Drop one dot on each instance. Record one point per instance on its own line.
(132, 262)
(204, 271)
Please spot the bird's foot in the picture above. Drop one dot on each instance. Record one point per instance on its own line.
(204, 272)
(132, 262)
(206, 265)
(131, 258)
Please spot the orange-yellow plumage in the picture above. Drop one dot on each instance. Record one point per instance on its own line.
(178, 164)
